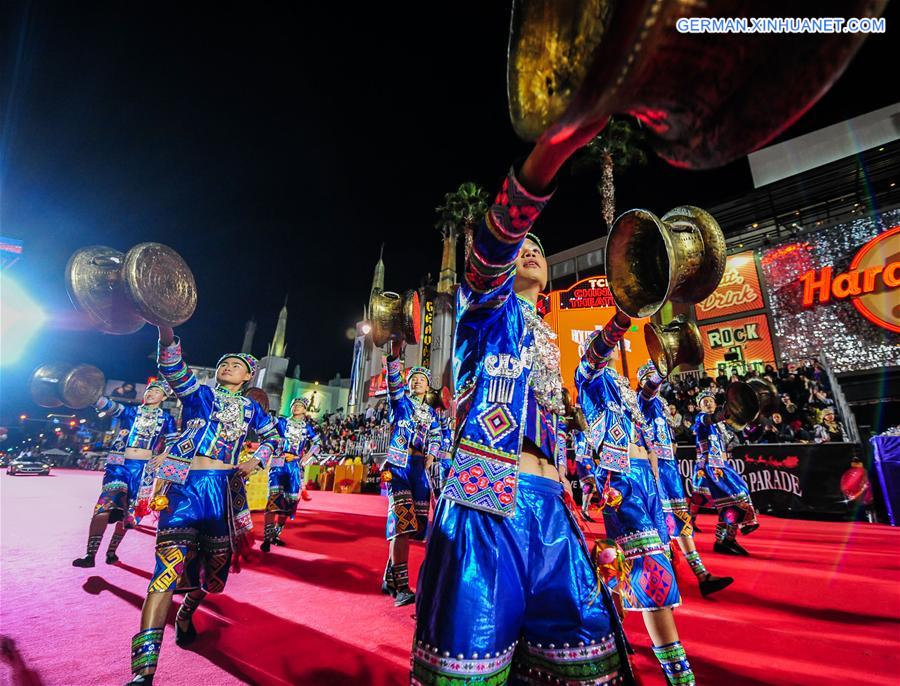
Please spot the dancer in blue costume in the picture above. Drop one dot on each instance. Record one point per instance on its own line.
(298, 439)
(206, 517)
(585, 469)
(145, 430)
(507, 590)
(632, 510)
(415, 442)
(717, 485)
(674, 501)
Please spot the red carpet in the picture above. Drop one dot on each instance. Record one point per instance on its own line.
(817, 603)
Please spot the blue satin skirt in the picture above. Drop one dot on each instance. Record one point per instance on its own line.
(285, 484)
(193, 537)
(409, 497)
(121, 484)
(723, 488)
(674, 501)
(638, 526)
(514, 597)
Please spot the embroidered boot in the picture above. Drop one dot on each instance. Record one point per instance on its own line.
(269, 534)
(401, 580)
(111, 557)
(145, 647)
(709, 584)
(184, 637)
(725, 543)
(675, 665)
(388, 587)
(93, 545)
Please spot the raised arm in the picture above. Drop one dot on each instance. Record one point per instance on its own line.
(395, 382)
(109, 407)
(650, 381)
(171, 365)
(490, 265)
(600, 348)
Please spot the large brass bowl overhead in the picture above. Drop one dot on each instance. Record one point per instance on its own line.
(746, 401)
(706, 98)
(82, 386)
(75, 386)
(394, 316)
(160, 284)
(674, 344)
(649, 260)
(120, 292)
(44, 384)
(94, 283)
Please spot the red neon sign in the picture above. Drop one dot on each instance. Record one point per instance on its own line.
(873, 274)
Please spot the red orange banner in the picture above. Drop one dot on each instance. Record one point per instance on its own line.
(738, 291)
(748, 338)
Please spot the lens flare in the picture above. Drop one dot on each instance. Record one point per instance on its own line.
(20, 320)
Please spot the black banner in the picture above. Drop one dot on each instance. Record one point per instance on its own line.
(797, 479)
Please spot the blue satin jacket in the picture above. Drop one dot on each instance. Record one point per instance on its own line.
(139, 426)
(297, 437)
(614, 421)
(214, 422)
(414, 425)
(710, 445)
(494, 363)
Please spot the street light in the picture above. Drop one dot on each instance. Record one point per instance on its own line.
(23, 417)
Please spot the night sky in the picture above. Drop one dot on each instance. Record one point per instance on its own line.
(275, 149)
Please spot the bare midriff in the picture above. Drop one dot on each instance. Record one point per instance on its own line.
(533, 461)
(137, 454)
(204, 462)
(639, 452)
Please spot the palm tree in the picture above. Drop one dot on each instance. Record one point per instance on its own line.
(619, 147)
(461, 211)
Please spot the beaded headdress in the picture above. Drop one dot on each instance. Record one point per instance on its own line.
(705, 394)
(425, 371)
(246, 358)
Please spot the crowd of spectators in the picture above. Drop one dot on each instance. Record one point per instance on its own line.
(357, 434)
(805, 411)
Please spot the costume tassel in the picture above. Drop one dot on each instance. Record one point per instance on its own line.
(675, 554)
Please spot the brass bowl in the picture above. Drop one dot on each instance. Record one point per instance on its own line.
(706, 99)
